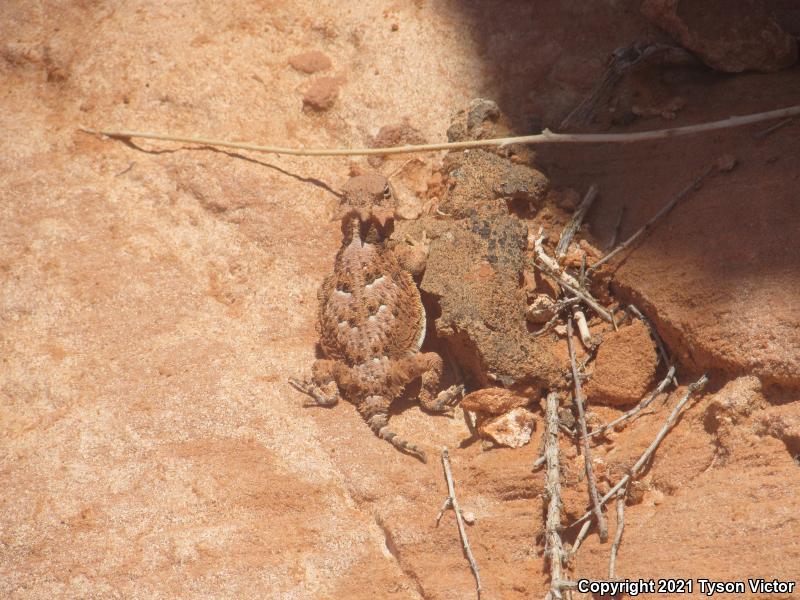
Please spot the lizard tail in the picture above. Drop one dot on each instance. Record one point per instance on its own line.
(379, 423)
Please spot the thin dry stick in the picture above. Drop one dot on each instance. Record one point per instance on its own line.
(662, 349)
(452, 502)
(668, 424)
(612, 561)
(615, 234)
(670, 376)
(546, 136)
(579, 538)
(664, 210)
(762, 134)
(551, 263)
(575, 222)
(602, 527)
(554, 550)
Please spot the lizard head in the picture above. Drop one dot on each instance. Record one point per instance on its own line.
(370, 198)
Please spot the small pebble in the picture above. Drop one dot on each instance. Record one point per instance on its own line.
(469, 517)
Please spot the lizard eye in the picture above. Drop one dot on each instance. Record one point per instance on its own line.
(387, 192)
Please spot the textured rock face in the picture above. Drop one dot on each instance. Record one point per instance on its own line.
(482, 177)
(728, 36)
(624, 367)
(475, 271)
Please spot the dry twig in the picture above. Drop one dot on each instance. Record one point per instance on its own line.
(579, 538)
(575, 222)
(612, 561)
(583, 328)
(670, 376)
(550, 265)
(662, 349)
(586, 297)
(760, 135)
(546, 136)
(559, 306)
(648, 453)
(554, 550)
(602, 527)
(452, 502)
(664, 210)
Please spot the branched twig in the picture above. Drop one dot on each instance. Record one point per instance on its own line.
(559, 306)
(554, 550)
(639, 407)
(575, 222)
(452, 502)
(612, 561)
(664, 210)
(546, 136)
(621, 61)
(550, 265)
(648, 453)
(602, 527)
(580, 293)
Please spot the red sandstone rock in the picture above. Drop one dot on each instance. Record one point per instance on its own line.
(727, 36)
(624, 367)
(322, 94)
(310, 62)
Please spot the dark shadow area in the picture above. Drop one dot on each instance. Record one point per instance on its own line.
(721, 267)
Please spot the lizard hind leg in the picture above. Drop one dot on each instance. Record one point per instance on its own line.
(322, 388)
(429, 366)
(375, 410)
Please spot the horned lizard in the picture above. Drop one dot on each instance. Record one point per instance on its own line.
(371, 320)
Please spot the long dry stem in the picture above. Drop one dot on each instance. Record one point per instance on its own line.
(575, 222)
(554, 549)
(602, 527)
(545, 137)
(452, 502)
(612, 561)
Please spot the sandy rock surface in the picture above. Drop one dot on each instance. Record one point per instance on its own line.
(154, 299)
